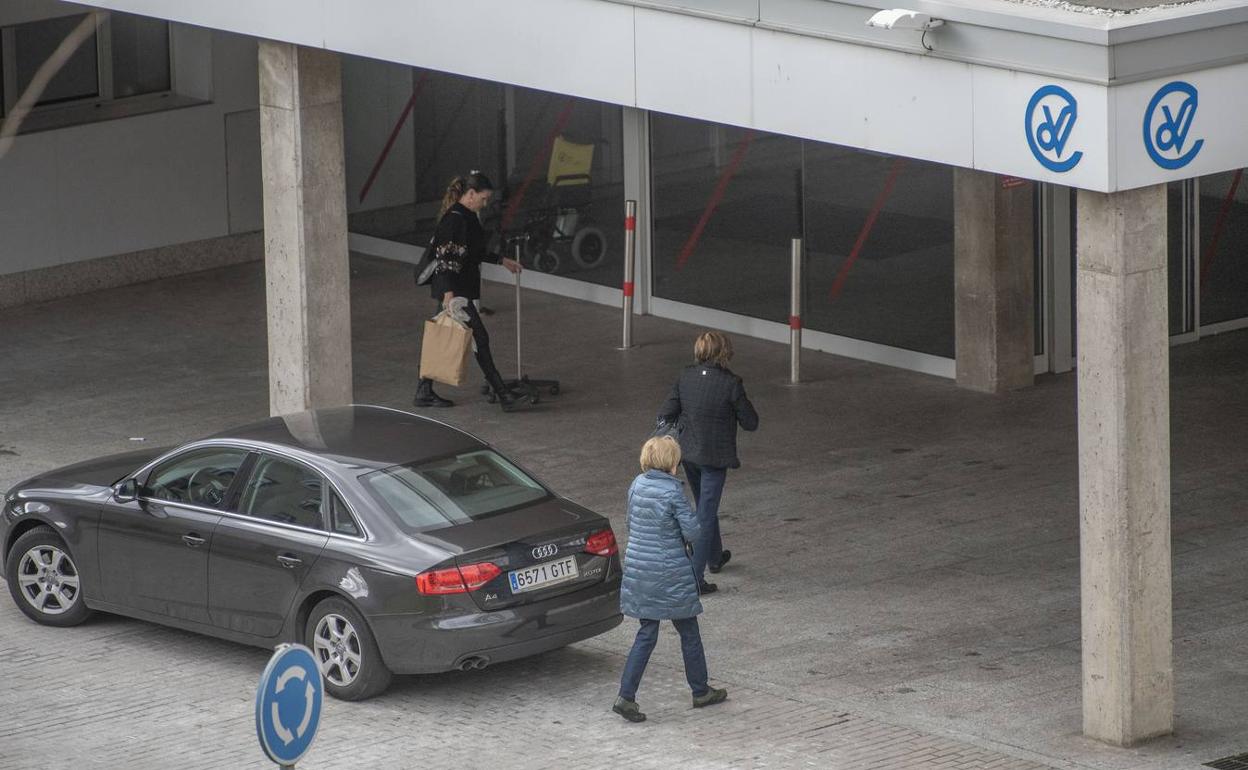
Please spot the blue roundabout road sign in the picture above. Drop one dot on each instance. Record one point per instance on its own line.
(288, 704)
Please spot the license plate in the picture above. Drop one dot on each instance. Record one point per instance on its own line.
(542, 575)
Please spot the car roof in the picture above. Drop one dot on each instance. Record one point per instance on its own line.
(369, 436)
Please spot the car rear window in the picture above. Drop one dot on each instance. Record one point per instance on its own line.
(451, 490)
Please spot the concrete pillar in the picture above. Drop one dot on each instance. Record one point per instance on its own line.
(994, 278)
(1124, 465)
(305, 228)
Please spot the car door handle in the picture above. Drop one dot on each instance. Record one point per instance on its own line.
(288, 561)
(193, 540)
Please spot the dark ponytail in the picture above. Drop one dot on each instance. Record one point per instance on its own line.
(475, 181)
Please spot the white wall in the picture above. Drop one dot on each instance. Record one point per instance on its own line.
(134, 183)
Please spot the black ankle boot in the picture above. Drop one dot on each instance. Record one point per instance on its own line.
(506, 399)
(426, 397)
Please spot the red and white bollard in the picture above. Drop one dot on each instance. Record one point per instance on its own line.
(630, 262)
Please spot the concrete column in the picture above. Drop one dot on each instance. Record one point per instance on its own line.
(1124, 465)
(305, 228)
(994, 275)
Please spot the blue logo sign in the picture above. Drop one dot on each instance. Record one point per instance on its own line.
(1050, 117)
(1166, 124)
(288, 704)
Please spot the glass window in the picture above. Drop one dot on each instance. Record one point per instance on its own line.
(1223, 275)
(565, 185)
(879, 248)
(557, 161)
(340, 517)
(200, 477)
(452, 490)
(285, 492)
(35, 41)
(140, 55)
(877, 230)
(726, 209)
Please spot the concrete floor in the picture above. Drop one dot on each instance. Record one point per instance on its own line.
(903, 550)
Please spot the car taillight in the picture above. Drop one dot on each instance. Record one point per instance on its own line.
(457, 580)
(602, 543)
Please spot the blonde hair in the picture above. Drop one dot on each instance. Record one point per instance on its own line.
(660, 453)
(714, 347)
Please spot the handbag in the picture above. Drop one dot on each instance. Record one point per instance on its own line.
(445, 349)
(427, 263)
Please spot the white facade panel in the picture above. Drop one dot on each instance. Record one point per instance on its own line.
(695, 67)
(293, 21)
(571, 47)
(1195, 126)
(874, 99)
(1065, 129)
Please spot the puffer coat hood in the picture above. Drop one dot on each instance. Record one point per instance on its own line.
(658, 574)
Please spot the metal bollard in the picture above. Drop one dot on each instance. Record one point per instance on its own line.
(630, 265)
(795, 314)
(519, 364)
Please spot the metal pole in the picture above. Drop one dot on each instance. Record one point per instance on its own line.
(795, 314)
(630, 266)
(519, 366)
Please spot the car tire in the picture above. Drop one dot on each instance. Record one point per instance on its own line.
(44, 579)
(344, 648)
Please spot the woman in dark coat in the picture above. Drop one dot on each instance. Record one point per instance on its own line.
(459, 247)
(706, 405)
(658, 581)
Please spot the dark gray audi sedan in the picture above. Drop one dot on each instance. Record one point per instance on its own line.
(385, 542)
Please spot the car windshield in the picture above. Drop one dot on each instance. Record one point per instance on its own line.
(451, 490)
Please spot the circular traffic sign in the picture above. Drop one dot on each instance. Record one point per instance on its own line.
(288, 704)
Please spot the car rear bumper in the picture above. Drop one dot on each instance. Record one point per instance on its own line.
(421, 644)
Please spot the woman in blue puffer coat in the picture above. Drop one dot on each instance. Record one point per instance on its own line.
(659, 582)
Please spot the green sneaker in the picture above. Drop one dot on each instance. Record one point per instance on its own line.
(629, 710)
(712, 697)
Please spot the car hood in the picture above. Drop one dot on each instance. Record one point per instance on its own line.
(102, 471)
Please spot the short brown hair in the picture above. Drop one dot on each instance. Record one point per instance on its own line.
(714, 347)
(660, 453)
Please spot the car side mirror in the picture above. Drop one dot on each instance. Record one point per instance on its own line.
(127, 491)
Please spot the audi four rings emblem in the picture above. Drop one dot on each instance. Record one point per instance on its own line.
(545, 551)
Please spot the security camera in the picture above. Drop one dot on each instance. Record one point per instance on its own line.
(899, 18)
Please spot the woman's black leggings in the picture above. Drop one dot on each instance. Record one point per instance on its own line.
(484, 358)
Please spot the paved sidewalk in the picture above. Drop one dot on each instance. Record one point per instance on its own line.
(905, 572)
(120, 693)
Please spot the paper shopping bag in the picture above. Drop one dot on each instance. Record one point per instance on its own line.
(445, 350)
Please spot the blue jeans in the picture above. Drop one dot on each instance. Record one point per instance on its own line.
(708, 486)
(643, 645)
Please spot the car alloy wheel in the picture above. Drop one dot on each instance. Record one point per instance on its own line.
(48, 580)
(44, 580)
(337, 649)
(346, 651)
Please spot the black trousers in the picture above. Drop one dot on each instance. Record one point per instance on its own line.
(484, 358)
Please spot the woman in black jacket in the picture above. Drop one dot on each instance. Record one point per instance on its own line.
(459, 247)
(706, 405)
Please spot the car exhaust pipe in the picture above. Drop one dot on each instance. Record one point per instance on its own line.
(481, 663)
(473, 662)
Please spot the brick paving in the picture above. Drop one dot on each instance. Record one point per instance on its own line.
(117, 693)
